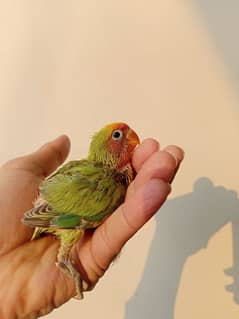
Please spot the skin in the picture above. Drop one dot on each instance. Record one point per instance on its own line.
(31, 284)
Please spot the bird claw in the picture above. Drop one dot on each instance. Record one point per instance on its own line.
(63, 267)
(67, 268)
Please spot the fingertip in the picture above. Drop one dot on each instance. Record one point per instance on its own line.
(63, 138)
(49, 156)
(144, 151)
(176, 152)
(61, 142)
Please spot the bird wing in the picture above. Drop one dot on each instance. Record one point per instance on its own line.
(79, 194)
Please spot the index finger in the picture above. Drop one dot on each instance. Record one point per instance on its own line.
(116, 230)
(143, 152)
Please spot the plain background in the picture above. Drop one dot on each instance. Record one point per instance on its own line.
(170, 69)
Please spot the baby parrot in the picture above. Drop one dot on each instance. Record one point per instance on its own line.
(82, 192)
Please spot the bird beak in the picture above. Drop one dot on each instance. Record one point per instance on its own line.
(132, 138)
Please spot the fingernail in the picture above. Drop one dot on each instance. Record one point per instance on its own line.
(176, 152)
(63, 136)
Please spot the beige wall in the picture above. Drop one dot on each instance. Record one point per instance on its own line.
(169, 69)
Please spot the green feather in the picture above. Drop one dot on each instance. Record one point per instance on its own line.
(66, 221)
(79, 194)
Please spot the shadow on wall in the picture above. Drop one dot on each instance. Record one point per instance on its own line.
(222, 19)
(183, 227)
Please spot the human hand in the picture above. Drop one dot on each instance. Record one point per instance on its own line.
(31, 284)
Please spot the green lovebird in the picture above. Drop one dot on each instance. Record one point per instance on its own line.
(81, 193)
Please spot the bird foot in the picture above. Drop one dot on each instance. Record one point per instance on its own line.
(63, 267)
(67, 268)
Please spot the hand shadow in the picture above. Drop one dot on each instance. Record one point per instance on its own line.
(184, 225)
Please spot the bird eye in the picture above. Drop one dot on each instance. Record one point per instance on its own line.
(117, 135)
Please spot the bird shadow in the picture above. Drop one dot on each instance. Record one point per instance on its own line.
(222, 20)
(184, 225)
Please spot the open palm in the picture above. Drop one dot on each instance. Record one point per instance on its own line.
(31, 284)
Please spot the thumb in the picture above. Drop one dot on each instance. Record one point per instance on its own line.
(45, 160)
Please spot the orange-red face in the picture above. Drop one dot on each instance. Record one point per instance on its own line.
(122, 141)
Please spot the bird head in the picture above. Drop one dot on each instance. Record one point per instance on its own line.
(113, 145)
